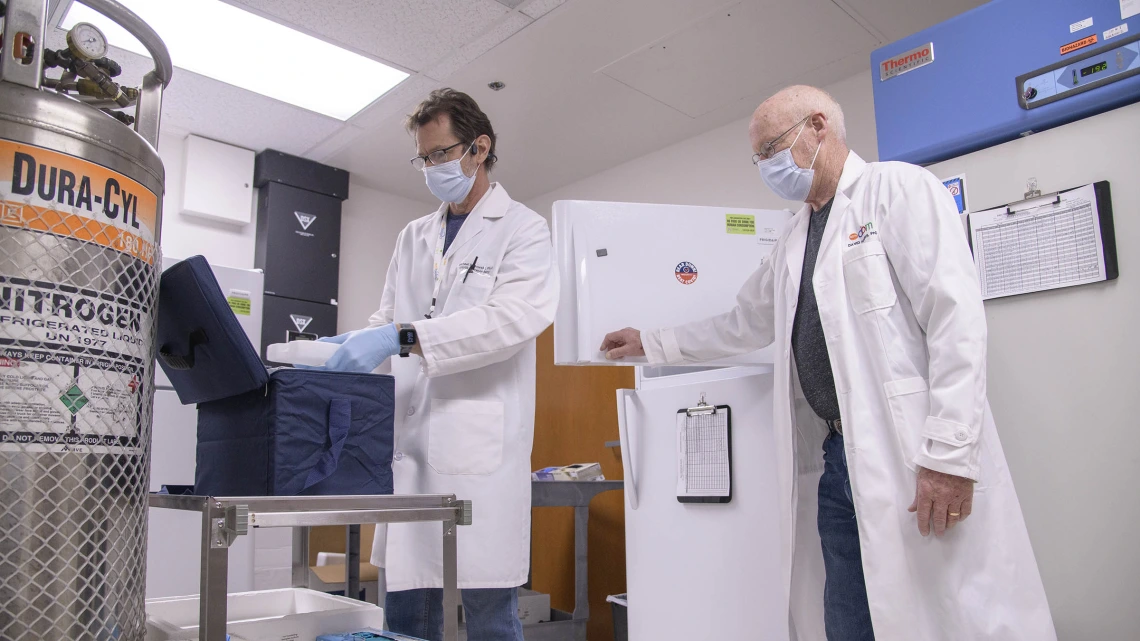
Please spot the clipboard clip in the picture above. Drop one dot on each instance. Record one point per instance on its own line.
(701, 408)
(1033, 202)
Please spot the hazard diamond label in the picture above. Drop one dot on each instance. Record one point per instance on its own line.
(73, 399)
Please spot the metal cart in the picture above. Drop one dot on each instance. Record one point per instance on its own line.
(567, 626)
(226, 518)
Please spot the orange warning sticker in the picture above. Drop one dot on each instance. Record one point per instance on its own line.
(1079, 44)
(51, 192)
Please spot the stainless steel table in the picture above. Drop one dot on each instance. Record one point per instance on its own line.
(226, 518)
(566, 626)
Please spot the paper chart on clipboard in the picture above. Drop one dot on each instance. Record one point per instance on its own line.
(704, 454)
(1042, 244)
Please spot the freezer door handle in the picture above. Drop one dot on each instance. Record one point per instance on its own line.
(624, 397)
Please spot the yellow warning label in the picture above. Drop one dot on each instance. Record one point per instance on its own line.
(744, 224)
(51, 192)
(239, 305)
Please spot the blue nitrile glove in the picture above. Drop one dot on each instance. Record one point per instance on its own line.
(364, 349)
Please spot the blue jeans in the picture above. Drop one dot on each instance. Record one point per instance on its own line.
(492, 614)
(846, 615)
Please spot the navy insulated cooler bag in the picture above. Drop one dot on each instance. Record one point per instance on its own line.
(278, 432)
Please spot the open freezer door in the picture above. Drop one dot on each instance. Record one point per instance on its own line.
(647, 266)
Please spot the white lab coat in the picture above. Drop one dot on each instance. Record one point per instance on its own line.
(465, 411)
(902, 314)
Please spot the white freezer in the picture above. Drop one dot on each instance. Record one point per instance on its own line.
(701, 571)
(646, 266)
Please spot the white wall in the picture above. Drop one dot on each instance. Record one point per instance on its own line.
(1063, 365)
(714, 168)
(370, 222)
(1064, 368)
(185, 236)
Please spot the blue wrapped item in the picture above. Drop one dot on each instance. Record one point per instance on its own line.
(281, 432)
(365, 635)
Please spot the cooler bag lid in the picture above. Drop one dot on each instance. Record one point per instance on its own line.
(201, 347)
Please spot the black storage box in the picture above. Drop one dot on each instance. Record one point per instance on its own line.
(287, 319)
(265, 432)
(297, 243)
(279, 167)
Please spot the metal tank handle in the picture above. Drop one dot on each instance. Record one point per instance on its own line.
(27, 17)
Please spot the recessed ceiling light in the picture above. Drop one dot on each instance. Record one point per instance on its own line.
(496, 86)
(237, 47)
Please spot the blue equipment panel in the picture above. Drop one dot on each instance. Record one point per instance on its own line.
(997, 72)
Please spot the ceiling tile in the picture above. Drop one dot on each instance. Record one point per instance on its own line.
(396, 103)
(896, 20)
(512, 24)
(205, 107)
(410, 33)
(229, 114)
(694, 71)
(538, 8)
(338, 140)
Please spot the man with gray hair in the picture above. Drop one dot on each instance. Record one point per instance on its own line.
(872, 301)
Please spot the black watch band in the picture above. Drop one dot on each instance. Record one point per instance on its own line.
(408, 338)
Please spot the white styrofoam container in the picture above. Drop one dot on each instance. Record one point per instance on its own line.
(311, 353)
(291, 614)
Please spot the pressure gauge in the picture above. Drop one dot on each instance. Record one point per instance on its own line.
(86, 42)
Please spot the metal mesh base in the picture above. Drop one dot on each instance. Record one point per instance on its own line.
(77, 330)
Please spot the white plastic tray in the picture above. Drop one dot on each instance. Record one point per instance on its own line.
(291, 614)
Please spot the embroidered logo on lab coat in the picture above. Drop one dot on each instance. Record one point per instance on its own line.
(862, 234)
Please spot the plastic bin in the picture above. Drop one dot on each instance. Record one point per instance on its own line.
(268, 615)
(619, 603)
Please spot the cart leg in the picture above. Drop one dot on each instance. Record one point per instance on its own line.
(581, 565)
(450, 583)
(352, 561)
(300, 557)
(215, 566)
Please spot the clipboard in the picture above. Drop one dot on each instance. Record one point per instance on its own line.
(1045, 242)
(704, 454)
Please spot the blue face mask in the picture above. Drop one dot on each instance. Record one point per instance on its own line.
(447, 182)
(784, 177)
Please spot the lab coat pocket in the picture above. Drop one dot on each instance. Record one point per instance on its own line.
(474, 292)
(465, 437)
(909, 402)
(867, 275)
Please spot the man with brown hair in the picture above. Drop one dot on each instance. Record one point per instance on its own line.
(469, 288)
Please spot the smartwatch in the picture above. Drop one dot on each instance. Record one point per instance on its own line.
(408, 339)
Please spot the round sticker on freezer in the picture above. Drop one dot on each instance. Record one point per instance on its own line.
(686, 273)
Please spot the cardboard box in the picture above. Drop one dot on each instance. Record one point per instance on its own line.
(534, 607)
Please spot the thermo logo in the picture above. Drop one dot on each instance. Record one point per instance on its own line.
(304, 219)
(906, 61)
(301, 322)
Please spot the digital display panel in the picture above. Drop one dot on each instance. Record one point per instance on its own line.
(1097, 68)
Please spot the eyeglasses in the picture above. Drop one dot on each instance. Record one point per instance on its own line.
(437, 157)
(767, 148)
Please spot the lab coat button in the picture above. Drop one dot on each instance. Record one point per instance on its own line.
(398, 456)
(961, 435)
(411, 411)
